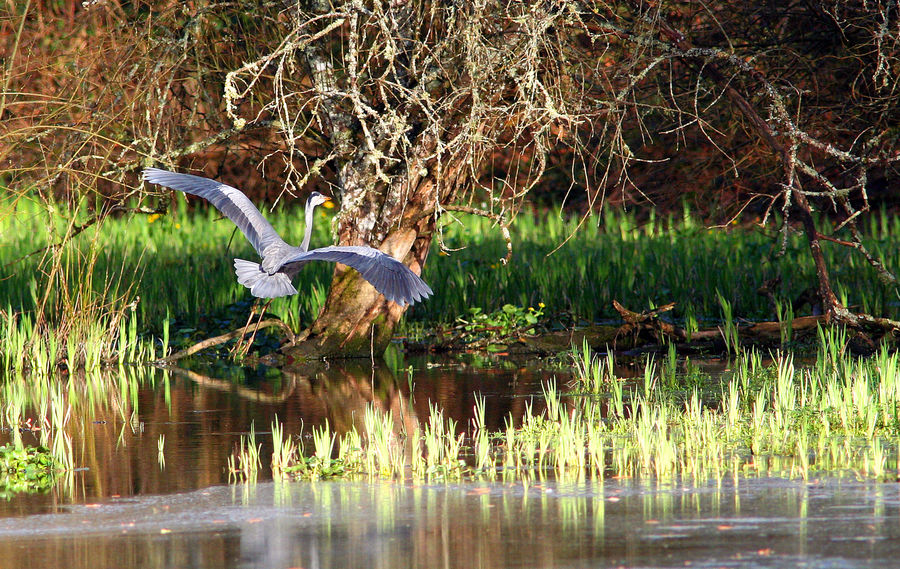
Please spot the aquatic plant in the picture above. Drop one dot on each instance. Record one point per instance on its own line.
(729, 328)
(284, 451)
(244, 463)
(27, 469)
(489, 329)
(670, 421)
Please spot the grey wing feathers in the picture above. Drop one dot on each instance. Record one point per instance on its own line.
(230, 201)
(389, 276)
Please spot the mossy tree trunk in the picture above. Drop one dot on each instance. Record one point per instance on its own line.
(357, 320)
(393, 176)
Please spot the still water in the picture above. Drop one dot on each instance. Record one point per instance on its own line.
(127, 506)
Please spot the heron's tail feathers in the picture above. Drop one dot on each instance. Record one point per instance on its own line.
(261, 283)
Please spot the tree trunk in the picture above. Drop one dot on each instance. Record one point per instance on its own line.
(397, 218)
(356, 320)
(392, 184)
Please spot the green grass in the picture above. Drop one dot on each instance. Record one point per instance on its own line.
(122, 290)
(244, 463)
(839, 414)
(111, 293)
(644, 266)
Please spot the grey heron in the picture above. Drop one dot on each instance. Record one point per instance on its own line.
(280, 262)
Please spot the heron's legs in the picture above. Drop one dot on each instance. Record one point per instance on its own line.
(256, 328)
(240, 348)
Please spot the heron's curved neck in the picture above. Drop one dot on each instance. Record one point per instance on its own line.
(309, 224)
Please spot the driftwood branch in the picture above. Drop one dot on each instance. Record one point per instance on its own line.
(210, 342)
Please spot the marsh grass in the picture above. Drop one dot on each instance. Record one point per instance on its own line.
(615, 259)
(284, 451)
(64, 300)
(839, 414)
(106, 295)
(729, 328)
(761, 417)
(245, 462)
(643, 264)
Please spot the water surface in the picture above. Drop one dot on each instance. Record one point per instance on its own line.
(117, 432)
(612, 523)
(127, 506)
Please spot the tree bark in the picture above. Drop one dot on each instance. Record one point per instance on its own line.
(391, 182)
(399, 220)
(356, 320)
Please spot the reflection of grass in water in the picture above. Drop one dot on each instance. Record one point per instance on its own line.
(58, 409)
(757, 419)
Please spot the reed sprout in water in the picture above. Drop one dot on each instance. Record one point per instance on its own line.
(245, 462)
(759, 418)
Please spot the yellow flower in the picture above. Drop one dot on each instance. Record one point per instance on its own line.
(541, 304)
(177, 226)
(153, 217)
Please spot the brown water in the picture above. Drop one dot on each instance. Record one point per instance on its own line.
(123, 508)
(202, 419)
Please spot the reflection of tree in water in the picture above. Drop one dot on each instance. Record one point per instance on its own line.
(116, 429)
(339, 392)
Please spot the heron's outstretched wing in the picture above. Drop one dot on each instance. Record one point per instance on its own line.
(230, 201)
(389, 276)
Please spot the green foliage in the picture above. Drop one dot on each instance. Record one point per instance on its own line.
(153, 280)
(641, 264)
(26, 470)
(244, 463)
(501, 324)
(729, 328)
(784, 312)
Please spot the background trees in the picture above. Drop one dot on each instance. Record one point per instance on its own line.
(410, 110)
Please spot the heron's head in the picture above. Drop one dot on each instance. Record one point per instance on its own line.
(316, 198)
